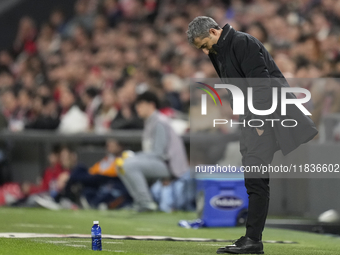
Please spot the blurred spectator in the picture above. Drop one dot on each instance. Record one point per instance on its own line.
(46, 116)
(57, 20)
(48, 40)
(92, 100)
(26, 36)
(11, 111)
(72, 119)
(257, 30)
(113, 11)
(327, 98)
(83, 17)
(106, 112)
(126, 117)
(6, 77)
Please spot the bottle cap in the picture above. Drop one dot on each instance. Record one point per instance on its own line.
(95, 222)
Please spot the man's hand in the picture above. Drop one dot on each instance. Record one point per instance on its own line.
(259, 131)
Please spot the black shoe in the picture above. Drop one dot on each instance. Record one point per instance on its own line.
(244, 245)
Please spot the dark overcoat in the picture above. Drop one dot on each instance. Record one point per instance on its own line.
(243, 61)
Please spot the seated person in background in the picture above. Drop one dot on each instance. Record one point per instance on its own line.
(111, 190)
(99, 184)
(51, 183)
(163, 154)
(52, 176)
(68, 161)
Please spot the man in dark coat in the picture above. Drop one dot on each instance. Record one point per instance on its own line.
(241, 60)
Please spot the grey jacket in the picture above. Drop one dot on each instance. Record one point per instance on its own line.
(160, 140)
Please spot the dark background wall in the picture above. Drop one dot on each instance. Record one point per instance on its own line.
(311, 196)
(39, 10)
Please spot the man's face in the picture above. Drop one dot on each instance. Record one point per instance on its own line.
(144, 109)
(66, 98)
(113, 147)
(206, 43)
(67, 158)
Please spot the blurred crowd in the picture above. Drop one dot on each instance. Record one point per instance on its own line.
(83, 74)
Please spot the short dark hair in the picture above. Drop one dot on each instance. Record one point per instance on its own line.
(148, 97)
(92, 92)
(199, 28)
(56, 149)
(46, 100)
(68, 147)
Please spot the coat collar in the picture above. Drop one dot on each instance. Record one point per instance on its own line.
(224, 38)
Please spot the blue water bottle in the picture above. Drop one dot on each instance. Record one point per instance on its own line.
(96, 234)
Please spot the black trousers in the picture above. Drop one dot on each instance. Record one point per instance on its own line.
(257, 150)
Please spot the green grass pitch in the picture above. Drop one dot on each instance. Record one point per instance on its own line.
(129, 223)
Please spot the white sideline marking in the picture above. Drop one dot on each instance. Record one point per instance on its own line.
(112, 250)
(117, 237)
(76, 245)
(126, 237)
(89, 241)
(144, 229)
(42, 226)
(69, 243)
(209, 244)
(55, 242)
